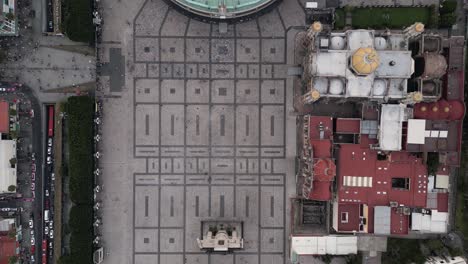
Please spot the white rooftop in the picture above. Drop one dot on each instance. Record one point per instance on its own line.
(394, 69)
(7, 174)
(390, 133)
(416, 129)
(324, 245)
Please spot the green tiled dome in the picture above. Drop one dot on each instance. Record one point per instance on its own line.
(223, 9)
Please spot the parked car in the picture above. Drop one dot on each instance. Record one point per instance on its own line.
(49, 142)
(46, 192)
(49, 160)
(52, 176)
(49, 150)
(31, 223)
(33, 167)
(33, 156)
(51, 234)
(32, 259)
(5, 209)
(33, 186)
(33, 242)
(33, 176)
(51, 224)
(51, 245)
(46, 230)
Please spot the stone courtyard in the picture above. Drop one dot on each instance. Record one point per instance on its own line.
(197, 125)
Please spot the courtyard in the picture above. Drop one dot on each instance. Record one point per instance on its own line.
(197, 125)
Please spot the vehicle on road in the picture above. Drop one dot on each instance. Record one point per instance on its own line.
(33, 156)
(33, 176)
(51, 224)
(46, 192)
(33, 186)
(51, 234)
(33, 167)
(49, 142)
(46, 230)
(31, 223)
(33, 242)
(52, 176)
(49, 150)
(46, 215)
(49, 160)
(5, 209)
(32, 259)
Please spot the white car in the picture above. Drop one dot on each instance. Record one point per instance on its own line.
(31, 223)
(52, 176)
(33, 242)
(46, 230)
(46, 192)
(49, 160)
(49, 150)
(51, 234)
(51, 224)
(49, 142)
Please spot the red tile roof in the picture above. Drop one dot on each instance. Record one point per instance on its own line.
(354, 160)
(315, 122)
(4, 117)
(442, 202)
(399, 223)
(348, 125)
(320, 191)
(322, 148)
(7, 248)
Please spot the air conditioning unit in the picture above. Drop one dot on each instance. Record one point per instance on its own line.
(393, 204)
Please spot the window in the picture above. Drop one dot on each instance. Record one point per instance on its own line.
(401, 183)
(344, 217)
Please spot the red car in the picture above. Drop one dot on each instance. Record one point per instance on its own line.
(33, 249)
(33, 186)
(33, 176)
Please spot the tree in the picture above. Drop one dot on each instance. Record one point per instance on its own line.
(13, 260)
(13, 162)
(448, 6)
(11, 188)
(10, 16)
(432, 163)
(13, 112)
(12, 233)
(447, 20)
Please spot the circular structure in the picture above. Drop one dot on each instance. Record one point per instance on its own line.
(223, 10)
(435, 66)
(379, 87)
(316, 26)
(337, 43)
(336, 86)
(419, 27)
(315, 95)
(364, 61)
(321, 84)
(380, 43)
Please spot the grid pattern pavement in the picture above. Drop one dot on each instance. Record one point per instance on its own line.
(209, 121)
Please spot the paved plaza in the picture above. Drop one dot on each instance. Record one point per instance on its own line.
(197, 125)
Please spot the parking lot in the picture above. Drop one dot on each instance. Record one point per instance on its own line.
(196, 126)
